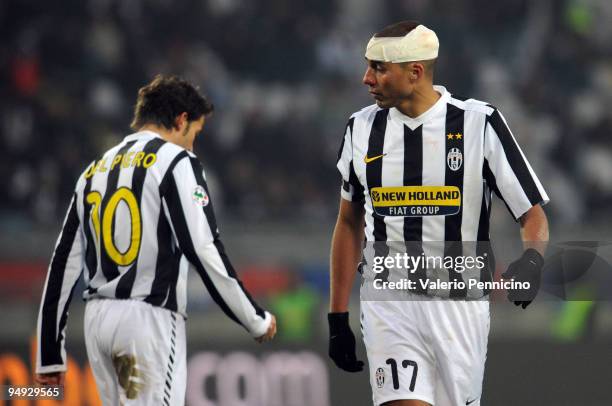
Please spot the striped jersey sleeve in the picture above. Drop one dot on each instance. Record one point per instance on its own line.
(187, 204)
(351, 188)
(62, 276)
(507, 168)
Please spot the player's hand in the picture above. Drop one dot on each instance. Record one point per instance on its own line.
(342, 343)
(528, 268)
(52, 378)
(270, 333)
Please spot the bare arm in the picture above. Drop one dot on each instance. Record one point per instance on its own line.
(534, 229)
(528, 268)
(345, 253)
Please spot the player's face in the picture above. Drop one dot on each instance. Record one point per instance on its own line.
(389, 83)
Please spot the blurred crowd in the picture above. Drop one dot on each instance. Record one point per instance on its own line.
(284, 77)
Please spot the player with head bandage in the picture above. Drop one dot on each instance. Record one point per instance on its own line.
(420, 140)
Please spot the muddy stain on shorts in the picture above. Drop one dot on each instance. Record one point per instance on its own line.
(130, 378)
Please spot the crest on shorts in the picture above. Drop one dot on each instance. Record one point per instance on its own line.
(454, 159)
(200, 197)
(380, 378)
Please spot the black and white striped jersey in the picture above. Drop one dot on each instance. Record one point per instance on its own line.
(139, 219)
(431, 178)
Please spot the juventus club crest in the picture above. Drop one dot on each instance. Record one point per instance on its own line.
(454, 159)
(380, 378)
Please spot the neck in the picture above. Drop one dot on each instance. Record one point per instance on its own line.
(419, 101)
(172, 136)
(163, 132)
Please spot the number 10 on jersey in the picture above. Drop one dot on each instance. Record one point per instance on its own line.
(105, 233)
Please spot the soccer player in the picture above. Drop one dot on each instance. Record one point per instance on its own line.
(140, 218)
(420, 166)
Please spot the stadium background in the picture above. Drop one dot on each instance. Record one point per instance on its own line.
(284, 76)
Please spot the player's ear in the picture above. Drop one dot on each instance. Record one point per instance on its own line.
(180, 121)
(416, 70)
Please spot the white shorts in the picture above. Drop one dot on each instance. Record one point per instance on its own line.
(432, 350)
(137, 352)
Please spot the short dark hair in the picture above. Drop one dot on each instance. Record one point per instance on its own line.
(165, 98)
(398, 29)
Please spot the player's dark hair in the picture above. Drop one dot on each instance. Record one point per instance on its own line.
(165, 98)
(398, 29)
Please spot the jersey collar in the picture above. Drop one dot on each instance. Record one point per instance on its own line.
(413, 123)
(140, 135)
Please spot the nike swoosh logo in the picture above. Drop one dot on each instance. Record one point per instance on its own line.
(471, 401)
(374, 158)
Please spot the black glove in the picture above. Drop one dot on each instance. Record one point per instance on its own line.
(342, 343)
(528, 268)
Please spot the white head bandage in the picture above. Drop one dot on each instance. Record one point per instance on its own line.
(420, 44)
